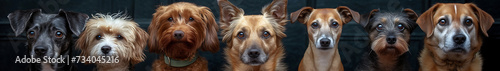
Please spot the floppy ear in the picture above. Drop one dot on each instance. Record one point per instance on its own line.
(82, 43)
(76, 21)
(277, 9)
(348, 14)
(425, 20)
(411, 14)
(301, 15)
(140, 43)
(19, 19)
(485, 19)
(211, 42)
(228, 13)
(365, 19)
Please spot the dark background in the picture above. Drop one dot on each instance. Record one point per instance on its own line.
(353, 39)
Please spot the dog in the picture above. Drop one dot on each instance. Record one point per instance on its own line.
(389, 34)
(48, 35)
(113, 36)
(453, 39)
(324, 27)
(253, 41)
(177, 31)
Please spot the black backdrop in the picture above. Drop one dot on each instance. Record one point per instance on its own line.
(351, 45)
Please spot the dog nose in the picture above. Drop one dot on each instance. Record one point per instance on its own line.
(40, 50)
(324, 42)
(178, 34)
(459, 39)
(253, 53)
(105, 49)
(391, 39)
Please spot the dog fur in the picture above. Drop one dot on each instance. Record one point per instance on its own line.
(389, 33)
(48, 35)
(113, 35)
(324, 27)
(453, 37)
(199, 31)
(253, 41)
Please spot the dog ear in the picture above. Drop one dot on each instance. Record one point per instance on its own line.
(348, 14)
(411, 14)
(228, 13)
(301, 15)
(19, 19)
(425, 20)
(365, 19)
(211, 42)
(82, 41)
(140, 43)
(485, 19)
(76, 21)
(277, 9)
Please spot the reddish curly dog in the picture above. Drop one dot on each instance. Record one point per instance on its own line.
(177, 31)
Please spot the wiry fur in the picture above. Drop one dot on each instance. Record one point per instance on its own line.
(128, 49)
(273, 20)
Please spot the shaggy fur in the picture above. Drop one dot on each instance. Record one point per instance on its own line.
(453, 39)
(124, 38)
(199, 31)
(261, 33)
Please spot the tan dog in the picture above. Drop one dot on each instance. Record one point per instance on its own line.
(177, 31)
(453, 38)
(113, 36)
(324, 27)
(254, 41)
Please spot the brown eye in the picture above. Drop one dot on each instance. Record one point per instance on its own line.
(442, 22)
(191, 19)
(266, 34)
(468, 22)
(170, 19)
(380, 27)
(241, 35)
(98, 37)
(314, 25)
(119, 37)
(31, 34)
(401, 27)
(59, 34)
(335, 24)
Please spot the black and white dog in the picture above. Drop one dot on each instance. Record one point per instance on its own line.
(48, 35)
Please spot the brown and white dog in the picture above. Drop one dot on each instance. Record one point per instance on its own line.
(324, 27)
(253, 41)
(176, 33)
(454, 37)
(113, 36)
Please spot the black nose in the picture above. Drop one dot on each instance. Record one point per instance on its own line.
(40, 50)
(391, 39)
(459, 39)
(178, 34)
(105, 49)
(324, 42)
(253, 53)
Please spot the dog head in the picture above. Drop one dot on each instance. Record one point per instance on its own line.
(324, 26)
(179, 29)
(48, 34)
(253, 37)
(455, 29)
(113, 35)
(389, 32)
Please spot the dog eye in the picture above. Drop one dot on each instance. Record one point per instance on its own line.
(59, 34)
(314, 25)
(119, 37)
(266, 34)
(380, 27)
(468, 22)
(442, 22)
(335, 24)
(191, 19)
(241, 35)
(170, 19)
(401, 27)
(98, 37)
(31, 34)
